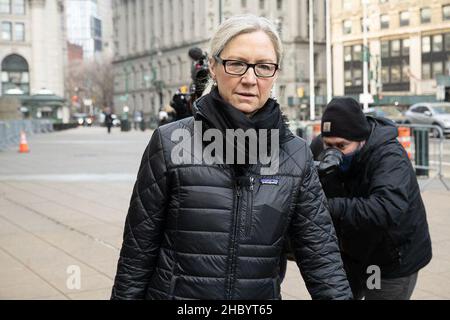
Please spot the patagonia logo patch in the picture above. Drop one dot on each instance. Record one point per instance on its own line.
(272, 182)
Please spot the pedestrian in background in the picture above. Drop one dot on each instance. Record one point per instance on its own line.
(375, 202)
(108, 120)
(217, 231)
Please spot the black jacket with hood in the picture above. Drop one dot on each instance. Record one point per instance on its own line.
(379, 216)
(196, 231)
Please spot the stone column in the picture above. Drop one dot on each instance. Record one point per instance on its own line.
(38, 65)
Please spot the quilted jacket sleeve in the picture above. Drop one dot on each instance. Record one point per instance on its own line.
(314, 241)
(143, 225)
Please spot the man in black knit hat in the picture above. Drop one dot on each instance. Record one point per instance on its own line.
(375, 202)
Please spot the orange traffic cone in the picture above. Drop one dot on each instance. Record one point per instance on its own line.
(23, 146)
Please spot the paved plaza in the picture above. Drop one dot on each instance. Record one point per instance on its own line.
(63, 205)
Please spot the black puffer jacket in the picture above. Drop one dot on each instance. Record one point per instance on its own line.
(380, 217)
(195, 232)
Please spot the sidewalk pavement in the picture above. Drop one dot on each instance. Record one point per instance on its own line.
(65, 202)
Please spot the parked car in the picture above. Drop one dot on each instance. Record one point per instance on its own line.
(437, 114)
(389, 112)
(83, 119)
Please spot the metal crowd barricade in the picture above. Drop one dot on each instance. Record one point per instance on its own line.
(3, 133)
(427, 154)
(10, 130)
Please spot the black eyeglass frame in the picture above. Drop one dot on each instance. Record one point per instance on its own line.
(249, 65)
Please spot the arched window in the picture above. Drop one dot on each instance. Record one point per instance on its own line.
(15, 74)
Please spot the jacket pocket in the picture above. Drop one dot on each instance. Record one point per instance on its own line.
(249, 216)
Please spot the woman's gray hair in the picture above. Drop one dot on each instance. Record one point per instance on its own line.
(242, 24)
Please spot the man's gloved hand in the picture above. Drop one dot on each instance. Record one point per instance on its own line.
(329, 174)
(330, 160)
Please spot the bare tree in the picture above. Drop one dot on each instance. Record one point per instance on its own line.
(93, 80)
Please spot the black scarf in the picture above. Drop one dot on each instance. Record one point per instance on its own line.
(219, 114)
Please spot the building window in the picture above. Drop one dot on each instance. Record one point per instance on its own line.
(396, 74)
(438, 69)
(425, 15)
(6, 31)
(395, 48)
(262, 4)
(447, 66)
(243, 3)
(96, 28)
(5, 6)
(357, 53)
(18, 7)
(426, 71)
(279, 4)
(384, 21)
(347, 26)
(357, 77)
(348, 80)
(395, 65)
(353, 66)
(98, 46)
(446, 12)
(447, 41)
(347, 53)
(19, 32)
(426, 44)
(346, 4)
(385, 49)
(435, 55)
(404, 18)
(15, 74)
(437, 43)
(384, 74)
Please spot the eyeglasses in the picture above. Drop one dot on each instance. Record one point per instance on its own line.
(239, 68)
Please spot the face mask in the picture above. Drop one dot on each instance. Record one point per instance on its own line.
(348, 159)
(347, 162)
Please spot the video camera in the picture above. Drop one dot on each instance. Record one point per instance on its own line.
(182, 100)
(329, 161)
(199, 71)
(329, 174)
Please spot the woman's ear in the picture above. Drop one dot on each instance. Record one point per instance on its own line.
(212, 67)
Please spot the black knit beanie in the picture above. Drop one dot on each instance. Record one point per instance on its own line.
(344, 118)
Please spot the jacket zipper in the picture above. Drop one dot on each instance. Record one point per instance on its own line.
(248, 223)
(233, 243)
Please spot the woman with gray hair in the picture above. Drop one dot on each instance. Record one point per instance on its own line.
(216, 229)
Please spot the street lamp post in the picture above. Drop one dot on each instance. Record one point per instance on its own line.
(312, 94)
(365, 58)
(155, 51)
(124, 119)
(220, 12)
(329, 58)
